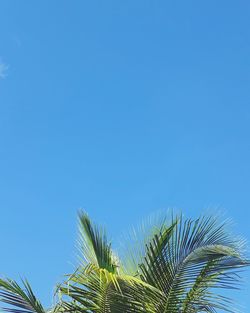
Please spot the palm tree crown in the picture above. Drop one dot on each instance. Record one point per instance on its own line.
(178, 267)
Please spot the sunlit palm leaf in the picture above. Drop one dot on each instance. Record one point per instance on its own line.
(94, 246)
(97, 291)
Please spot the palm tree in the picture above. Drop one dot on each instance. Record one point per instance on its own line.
(178, 267)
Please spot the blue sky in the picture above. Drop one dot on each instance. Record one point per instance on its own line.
(123, 108)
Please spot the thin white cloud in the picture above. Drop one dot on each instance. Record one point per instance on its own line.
(3, 70)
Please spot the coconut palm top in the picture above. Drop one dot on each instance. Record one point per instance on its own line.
(177, 265)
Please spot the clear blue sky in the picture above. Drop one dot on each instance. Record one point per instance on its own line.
(122, 108)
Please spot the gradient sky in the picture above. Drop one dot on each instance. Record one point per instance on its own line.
(122, 108)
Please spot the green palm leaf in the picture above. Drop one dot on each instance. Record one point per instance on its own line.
(94, 246)
(177, 264)
(21, 300)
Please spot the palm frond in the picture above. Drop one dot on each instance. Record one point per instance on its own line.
(135, 242)
(19, 300)
(94, 246)
(111, 293)
(191, 246)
